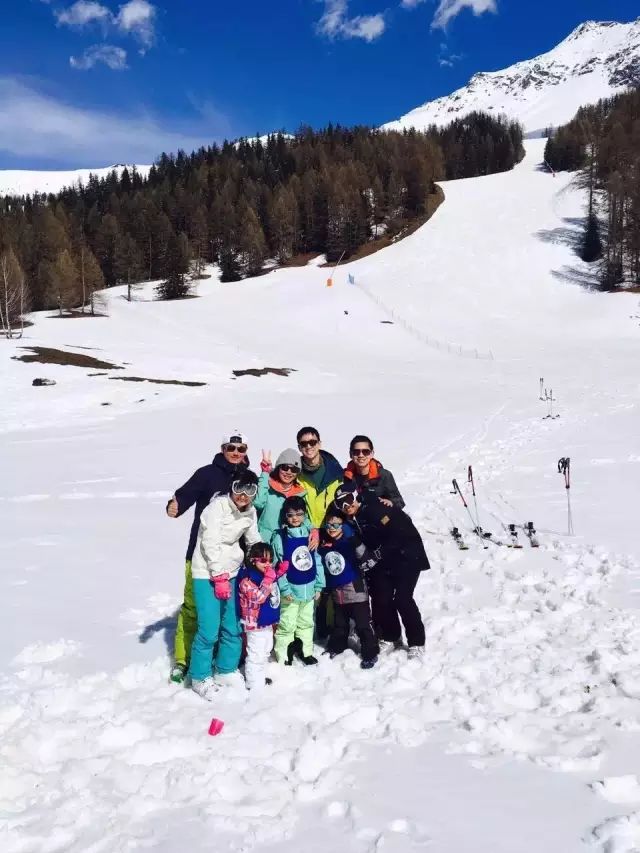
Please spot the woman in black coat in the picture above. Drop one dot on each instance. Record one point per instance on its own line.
(392, 552)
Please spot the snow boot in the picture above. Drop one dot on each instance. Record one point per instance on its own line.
(225, 680)
(416, 653)
(294, 649)
(178, 672)
(309, 660)
(369, 663)
(205, 687)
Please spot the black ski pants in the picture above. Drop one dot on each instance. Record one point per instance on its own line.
(361, 615)
(392, 599)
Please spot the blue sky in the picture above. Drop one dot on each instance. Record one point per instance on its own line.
(94, 82)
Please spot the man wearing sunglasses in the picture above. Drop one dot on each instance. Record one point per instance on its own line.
(393, 556)
(369, 475)
(321, 474)
(199, 489)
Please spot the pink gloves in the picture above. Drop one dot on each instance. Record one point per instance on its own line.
(283, 568)
(221, 587)
(269, 574)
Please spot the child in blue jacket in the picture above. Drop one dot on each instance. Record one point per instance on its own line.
(300, 586)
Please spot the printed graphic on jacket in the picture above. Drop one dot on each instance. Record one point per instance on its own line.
(302, 568)
(339, 561)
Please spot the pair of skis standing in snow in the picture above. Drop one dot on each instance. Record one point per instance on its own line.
(318, 525)
(484, 535)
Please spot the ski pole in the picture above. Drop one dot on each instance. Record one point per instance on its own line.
(456, 489)
(473, 492)
(564, 468)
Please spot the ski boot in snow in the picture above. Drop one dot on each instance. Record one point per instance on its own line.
(369, 663)
(389, 645)
(205, 688)
(178, 672)
(294, 649)
(309, 660)
(226, 680)
(415, 653)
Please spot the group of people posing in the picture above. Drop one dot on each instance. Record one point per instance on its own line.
(297, 552)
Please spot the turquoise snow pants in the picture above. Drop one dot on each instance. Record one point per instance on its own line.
(218, 622)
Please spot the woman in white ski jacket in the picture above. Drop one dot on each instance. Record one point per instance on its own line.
(216, 561)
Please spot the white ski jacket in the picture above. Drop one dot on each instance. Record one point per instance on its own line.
(218, 548)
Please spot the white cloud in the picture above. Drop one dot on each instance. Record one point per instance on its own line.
(107, 54)
(138, 18)
(335, 23)
(36, 125)
(448, 9)
(84, 12)
(411, 4)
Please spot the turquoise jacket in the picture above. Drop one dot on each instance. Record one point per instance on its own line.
(268, 503)
(300, 592)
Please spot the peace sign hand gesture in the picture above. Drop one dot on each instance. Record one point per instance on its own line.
(265, 464)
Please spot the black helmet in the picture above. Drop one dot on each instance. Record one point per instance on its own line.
(345, 495)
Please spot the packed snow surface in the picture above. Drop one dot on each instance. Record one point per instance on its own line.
(520, 730)
(20, 182)
(595, 61)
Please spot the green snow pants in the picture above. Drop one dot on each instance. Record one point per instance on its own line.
(296, 622)
(187, 621)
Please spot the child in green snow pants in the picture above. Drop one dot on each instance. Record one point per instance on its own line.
(296, 622)
(187, 621)
(218, 621)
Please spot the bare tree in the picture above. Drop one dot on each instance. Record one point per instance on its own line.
(14, 297)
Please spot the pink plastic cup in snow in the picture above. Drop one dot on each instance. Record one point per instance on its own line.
(216, 726)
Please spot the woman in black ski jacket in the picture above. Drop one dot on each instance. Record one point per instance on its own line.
(368, 474)
(393, 555)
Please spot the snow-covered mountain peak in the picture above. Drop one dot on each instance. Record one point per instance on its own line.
(597, 59)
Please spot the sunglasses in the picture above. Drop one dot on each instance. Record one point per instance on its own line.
(261, 560)
(249, 490)
(312, 442)
(294, 513)
(334, 525)
(361, 451)
(235, 448)
(289, 469)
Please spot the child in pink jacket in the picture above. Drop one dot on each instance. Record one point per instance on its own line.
(259, 606)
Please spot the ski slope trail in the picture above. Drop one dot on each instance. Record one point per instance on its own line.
(519, 729)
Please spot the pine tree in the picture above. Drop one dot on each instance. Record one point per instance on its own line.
(128, 264)
(106, 248)
(252, 247)
(177, 262)
(283, 223)
(64, 283)
(591, 248)
(90, 277)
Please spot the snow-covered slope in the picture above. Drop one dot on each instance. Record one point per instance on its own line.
(19, 182)
(596, 60)
(519, 732)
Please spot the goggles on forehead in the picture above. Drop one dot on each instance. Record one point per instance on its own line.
(250, 489)
(345, 498)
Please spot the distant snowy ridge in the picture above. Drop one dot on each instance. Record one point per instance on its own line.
(596, 60)
(19, 182)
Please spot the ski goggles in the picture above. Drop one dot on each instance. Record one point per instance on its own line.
(345, 499)
(334, 525)
(248, 489)
(235, 448)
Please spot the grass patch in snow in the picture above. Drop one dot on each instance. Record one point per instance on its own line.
(49, 355)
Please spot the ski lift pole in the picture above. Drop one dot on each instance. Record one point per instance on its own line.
(564, 468)
(473, 492)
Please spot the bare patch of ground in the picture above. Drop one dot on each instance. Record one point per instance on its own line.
(263, 371)
(158, 381)
(48, 355)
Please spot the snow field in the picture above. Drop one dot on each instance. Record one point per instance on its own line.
(531, 681)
